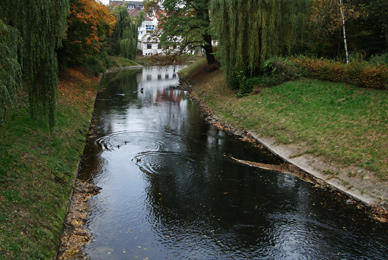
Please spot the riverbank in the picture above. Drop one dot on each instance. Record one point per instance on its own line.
(37, 169)
(334, 132)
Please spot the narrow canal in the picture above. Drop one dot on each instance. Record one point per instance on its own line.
(168, 191)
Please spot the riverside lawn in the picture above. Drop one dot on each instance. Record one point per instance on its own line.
(340, 123)
(37, 169)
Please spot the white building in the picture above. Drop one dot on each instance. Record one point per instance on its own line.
(148, 40)
(149, 32)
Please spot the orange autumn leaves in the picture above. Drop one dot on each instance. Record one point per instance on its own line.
(89, 23)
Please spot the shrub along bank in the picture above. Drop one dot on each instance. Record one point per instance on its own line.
(37, 169)
(372, 74)
(341, 123)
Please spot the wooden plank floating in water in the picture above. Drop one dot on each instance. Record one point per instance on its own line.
(283, 168)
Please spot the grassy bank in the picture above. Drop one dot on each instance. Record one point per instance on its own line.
(162, 60)
(339, 122)
(120, 62)
(37, 169)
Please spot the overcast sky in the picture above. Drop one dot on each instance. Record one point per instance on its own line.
(106, 2)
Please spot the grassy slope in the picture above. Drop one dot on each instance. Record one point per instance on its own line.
(119, 62)
(37, 169)
(342, 123)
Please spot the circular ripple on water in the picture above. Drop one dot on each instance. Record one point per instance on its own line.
(163, 162)
(146, 140)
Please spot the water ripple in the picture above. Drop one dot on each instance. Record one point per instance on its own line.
(158, 162)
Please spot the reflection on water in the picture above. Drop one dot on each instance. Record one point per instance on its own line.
(169, 192)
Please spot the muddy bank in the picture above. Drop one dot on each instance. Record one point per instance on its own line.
(367, 192)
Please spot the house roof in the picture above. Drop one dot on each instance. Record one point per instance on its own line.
(121, 2)
(135, 13)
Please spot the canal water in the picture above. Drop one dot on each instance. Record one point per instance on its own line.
(169, 192)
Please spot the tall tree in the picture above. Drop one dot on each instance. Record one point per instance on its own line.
(337, 25)
(250, 31)
(41, 25)
(186, 22)
(341, 7)
(89, 23)
(10, 69)
(379, 10)
(126, 32)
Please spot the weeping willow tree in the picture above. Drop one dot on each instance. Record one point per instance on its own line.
(41, 25)
(250, 31)
(10, 70)
(126, 32)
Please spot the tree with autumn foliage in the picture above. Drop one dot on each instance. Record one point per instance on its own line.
(363, 22)
(89, 24)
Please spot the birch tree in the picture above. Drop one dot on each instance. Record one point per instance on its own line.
(341, 7)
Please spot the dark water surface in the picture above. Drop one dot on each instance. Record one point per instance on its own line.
(169, 192)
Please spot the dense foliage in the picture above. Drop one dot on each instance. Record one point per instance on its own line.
(89, 24)
(125, 32)
(186, 25)
(10, 70)
(357, 73)
(41, 25)
(378, 13)
(251, 31)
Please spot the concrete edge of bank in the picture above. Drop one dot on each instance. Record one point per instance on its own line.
(366, 191)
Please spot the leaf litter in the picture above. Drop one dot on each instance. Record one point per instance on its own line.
(75, 236)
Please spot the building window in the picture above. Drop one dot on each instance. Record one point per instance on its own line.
(150, 27)
(159, 76)
(149, 46)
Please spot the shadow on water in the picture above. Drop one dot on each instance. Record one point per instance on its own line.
(170, 193)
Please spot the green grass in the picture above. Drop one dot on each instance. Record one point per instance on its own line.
(340, 122)
(36, 173)
(193, 69)
(119, 62)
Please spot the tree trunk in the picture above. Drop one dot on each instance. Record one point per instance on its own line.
(208, 49)
(386, 36)
(344, 31)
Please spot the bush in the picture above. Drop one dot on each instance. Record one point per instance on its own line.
(95, 65)
(381, 59)
(359, 73)
(233, 81)
(273, 72)
(282, 70)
